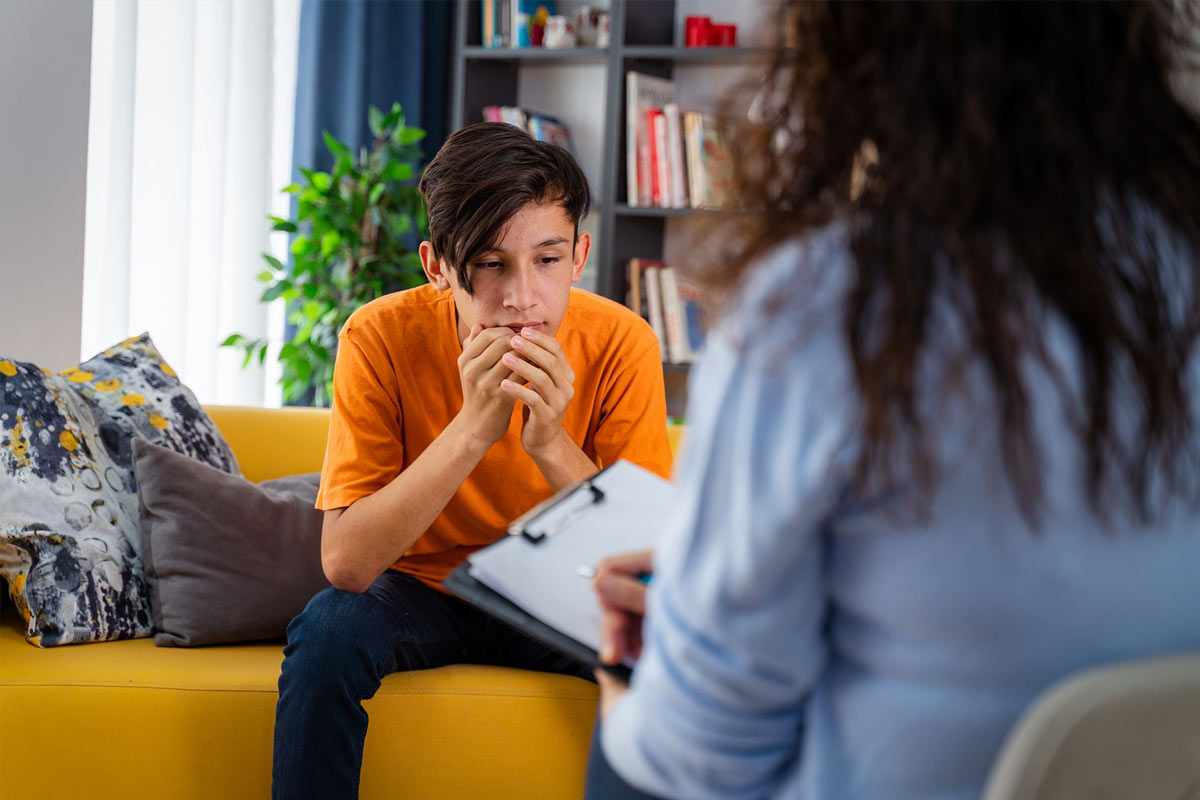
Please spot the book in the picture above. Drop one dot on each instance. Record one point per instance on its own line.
(684, 316)
(642, 93)
(710, 177)
(695, 317)
(538, 579)
(654, 307)
(677, 349)
(510, 114)
(675, 168)
(636, 298)
(488, 22)
(660, 184)
(548, 129)
(505, 9)
(695, 163)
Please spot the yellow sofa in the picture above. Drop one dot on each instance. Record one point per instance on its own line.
(131, 720)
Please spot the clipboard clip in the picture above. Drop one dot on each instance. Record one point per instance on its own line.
(594, 497)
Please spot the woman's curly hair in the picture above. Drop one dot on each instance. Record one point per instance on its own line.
(1004, 160)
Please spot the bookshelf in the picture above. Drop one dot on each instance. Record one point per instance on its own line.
(586, 90)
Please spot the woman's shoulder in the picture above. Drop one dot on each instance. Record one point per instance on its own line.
(791, 301)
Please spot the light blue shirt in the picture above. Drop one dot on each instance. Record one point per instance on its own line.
(801, 643)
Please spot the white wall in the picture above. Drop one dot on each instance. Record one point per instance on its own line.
(45, 59)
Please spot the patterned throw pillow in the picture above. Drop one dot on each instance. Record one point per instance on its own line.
(68, 499)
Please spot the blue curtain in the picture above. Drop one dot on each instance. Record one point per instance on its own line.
(359, 53)
(355, 54)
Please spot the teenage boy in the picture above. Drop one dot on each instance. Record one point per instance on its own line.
(457, 406)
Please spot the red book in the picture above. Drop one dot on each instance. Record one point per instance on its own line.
(654, 124)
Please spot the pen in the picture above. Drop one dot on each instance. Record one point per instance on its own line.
(588, 571)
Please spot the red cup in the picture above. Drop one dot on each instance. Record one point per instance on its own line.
(697, 31)
(722, 36)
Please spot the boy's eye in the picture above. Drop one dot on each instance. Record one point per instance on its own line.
(489, 264)
(550, 260)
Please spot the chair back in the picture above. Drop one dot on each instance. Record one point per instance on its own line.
(1125, 732)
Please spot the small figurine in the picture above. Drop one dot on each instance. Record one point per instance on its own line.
(558, 33)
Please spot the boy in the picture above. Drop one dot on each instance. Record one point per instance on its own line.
(457, 407)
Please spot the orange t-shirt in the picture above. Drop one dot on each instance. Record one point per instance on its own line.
(396, 387)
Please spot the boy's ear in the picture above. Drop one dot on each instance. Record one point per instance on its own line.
(583, 245)
(435, 270)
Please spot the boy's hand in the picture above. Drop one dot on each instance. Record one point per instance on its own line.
(487, 408)
(539, 359)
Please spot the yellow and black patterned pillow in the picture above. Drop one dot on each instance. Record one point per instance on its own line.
(68, 500)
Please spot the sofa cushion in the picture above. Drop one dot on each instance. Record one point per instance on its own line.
(68, 502)
(193, 723)
(226, 560)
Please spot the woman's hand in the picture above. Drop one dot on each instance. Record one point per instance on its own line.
(612, 689)
(620, 583)
(621, 586)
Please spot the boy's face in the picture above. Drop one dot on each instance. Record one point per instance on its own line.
(524, 282)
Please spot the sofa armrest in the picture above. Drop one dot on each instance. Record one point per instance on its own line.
(274, 442)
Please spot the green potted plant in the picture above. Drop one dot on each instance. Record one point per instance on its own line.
(356, 230)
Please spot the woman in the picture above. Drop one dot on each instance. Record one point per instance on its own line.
(943, 446)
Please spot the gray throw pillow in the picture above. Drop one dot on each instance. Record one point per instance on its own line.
(226, 560)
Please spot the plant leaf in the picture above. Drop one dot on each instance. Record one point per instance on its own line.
(336, 148)
(330, 242)
(411, 135)
(321, 181)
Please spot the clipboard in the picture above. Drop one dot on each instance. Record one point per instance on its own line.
(532, 579)
(461, 582)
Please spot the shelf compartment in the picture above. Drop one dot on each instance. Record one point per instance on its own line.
(539, 55)
(693, 55)
(623, 210)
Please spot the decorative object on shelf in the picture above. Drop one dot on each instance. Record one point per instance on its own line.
(357, 227)
(722, 35)
(700, 31)
(587, 26)
(696, 31)
(603, 28)
(558, 33)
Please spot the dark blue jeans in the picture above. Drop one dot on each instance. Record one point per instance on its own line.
(603, 782)
(340, 648)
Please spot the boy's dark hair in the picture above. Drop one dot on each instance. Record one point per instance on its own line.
(482, 176)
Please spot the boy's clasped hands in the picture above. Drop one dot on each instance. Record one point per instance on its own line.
(499, 366)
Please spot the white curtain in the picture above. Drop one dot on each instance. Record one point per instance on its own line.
(189, 143)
